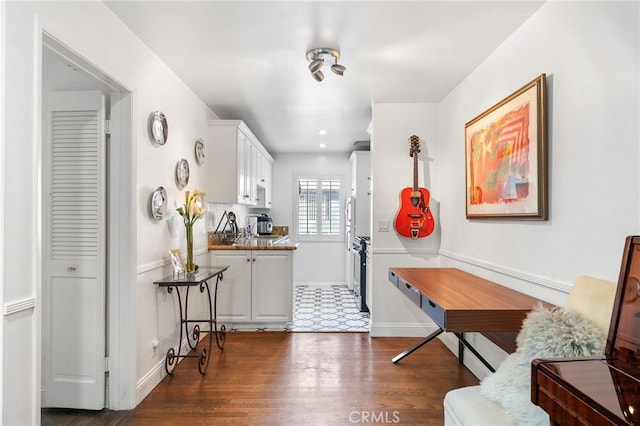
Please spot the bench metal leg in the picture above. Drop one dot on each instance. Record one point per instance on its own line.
(418, 346)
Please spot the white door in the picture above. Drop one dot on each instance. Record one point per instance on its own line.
(73, 227)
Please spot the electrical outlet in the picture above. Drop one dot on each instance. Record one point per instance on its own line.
(383, 226)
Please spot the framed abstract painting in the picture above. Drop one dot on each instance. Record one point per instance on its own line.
(506, 157)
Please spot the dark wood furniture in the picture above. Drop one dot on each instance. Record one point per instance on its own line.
(460, 302)
(199, 279)
(606, 390)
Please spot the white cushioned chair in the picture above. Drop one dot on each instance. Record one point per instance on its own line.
(591, 297)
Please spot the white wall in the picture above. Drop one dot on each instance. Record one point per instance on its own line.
(95, 34)
(2, 194)
(314, 261)
(590, 53)
(392, 168)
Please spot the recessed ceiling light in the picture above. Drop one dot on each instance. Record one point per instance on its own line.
(323, 146)
(322, 132)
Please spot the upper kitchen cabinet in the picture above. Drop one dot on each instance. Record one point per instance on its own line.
(264, 181)
(240, 168)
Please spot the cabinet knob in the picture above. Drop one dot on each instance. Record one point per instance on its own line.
(253, 260)
(71, 269)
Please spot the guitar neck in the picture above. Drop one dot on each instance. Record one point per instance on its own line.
(415, 172)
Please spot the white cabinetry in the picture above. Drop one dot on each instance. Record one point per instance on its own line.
(234, 292)
(257, 288)
(264, 182)
(235, 159)
(361, 190)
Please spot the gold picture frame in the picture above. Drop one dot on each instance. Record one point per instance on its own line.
(506, 157)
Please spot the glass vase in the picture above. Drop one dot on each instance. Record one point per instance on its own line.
(190, 266)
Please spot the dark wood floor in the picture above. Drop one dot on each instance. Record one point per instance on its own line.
(311, 379)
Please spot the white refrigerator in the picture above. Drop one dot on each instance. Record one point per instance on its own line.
(349, 235)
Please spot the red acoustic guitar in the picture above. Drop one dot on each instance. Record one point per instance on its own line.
(414, 218)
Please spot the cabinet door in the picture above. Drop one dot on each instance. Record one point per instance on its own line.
(246, 170)
(272, 273)
(264, 181)
(234, 292)
(267, 174)
(252, 170)
(241, 146)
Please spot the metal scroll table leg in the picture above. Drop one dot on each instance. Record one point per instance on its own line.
(203, 358)
(418, 346)
(222, 334)
(195, 332)
(171, 359)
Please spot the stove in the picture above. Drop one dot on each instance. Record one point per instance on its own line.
(360, 244)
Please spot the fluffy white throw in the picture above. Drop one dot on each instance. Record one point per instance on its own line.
(545, 334)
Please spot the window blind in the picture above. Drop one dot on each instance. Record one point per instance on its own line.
(319, 213)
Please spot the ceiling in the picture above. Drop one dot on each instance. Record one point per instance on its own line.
(246, 60)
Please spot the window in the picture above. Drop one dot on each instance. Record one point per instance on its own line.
(318, 208)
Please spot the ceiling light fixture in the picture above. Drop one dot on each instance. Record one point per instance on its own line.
(316, 61)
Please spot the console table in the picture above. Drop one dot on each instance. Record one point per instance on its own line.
(186, 281)
(460, 302)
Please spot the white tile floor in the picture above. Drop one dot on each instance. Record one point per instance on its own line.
(327, 308)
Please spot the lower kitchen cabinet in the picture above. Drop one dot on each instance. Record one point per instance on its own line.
(257, 288)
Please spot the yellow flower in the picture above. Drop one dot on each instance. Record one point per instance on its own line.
(190, 211)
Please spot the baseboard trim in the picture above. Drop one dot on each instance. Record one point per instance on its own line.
(322, 284)
(149, 381)
(154, 376)
(405, 251)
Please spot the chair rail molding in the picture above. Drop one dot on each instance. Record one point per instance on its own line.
(19, 306)
(514, 273)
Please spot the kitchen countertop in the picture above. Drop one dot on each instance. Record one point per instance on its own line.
(275, 242)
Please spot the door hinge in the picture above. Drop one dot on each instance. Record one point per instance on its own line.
(107, 364)
(107, 127)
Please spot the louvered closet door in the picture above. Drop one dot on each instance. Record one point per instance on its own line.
(73, 320)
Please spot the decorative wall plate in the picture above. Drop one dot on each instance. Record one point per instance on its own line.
(158, 128)
(199, 152)
(182, 174)
(158, 203)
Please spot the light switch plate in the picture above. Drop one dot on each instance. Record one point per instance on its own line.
(383, 226)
